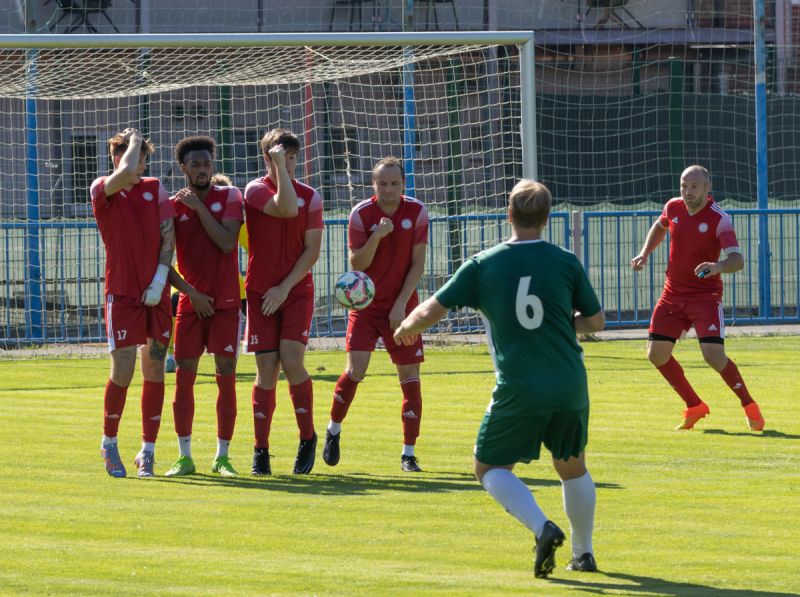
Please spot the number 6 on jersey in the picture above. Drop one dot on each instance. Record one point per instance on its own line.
(528, 306)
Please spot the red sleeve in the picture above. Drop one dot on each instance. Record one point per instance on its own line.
(315, 213)
(663, 219)
(166, 208)
(356, 234)
(726, 235)
(421, 227)
(257, 195)
(233, 208)
(98, 192)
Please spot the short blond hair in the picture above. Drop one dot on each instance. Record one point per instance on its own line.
(530, 203)
(221, 180)
(118, 144)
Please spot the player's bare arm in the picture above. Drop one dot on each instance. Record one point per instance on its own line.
(126, 174)
(273, 298)
(224, 233)
(152, 294)
(411, 281)
(421, 318)
(732, 263)
(284, 203)
(361, 258)
(654, 238)
(589, 325)
(201, 303)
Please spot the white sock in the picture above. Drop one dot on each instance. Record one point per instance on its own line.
(334, 427)
(185, 445)
(108, 441)
(408, 450)
(511, 493)
(222, 447)
(579, 501)
(149, 447)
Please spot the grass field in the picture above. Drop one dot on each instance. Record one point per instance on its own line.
(714, 511)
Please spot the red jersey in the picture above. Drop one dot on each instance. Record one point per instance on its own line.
(201, 262)
(393, 257)
(695, 239)
(130, 225)
(276, 243)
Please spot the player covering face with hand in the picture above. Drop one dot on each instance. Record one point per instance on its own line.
(134, 217)
(533, 297)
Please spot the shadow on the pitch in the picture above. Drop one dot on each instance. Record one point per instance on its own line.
(647, 585)
(331, 483)
(767, 433)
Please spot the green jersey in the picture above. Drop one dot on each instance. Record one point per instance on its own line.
(527, 293)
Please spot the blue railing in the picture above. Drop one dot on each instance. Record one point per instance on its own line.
(72, 268)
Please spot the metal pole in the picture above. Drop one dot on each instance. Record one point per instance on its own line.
(409, 104)
(762, 189)
(33, 270)
(530, 167)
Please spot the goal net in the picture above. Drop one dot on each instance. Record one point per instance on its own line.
(448, 104)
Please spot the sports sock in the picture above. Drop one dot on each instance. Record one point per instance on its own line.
(673, 373)
(149, 447)
(408, 449)
(343, 395)
(183, 403)
(511, 493)
(735, 382)
(222, 447)
(302, 396)
(152, 403)
(579, 502)
(113, 405)
(226, 405)
(108, 441)
(334, 427)
(185, 445)
(411, 411)
(263, 409)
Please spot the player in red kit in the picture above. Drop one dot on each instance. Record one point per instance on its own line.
(207, 222)
(284, 225)
(388, 236)
(134, 217)
(699, 232)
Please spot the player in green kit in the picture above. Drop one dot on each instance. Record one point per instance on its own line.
(534, 297)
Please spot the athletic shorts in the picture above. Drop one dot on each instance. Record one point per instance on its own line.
(508, 437)
(219, 334)
(130, 323)
(292, 321)
(364, 329)
(672, 317)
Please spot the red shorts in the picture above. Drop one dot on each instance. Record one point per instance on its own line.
(218, 333)
(364, 329)
(130, 323)
(292, 321)
(673, 316)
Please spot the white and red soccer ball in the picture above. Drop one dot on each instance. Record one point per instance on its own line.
(354, 290)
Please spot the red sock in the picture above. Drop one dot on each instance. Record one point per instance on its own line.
(263, 409)
(412, 409)
(113, 405)
(673, 373)
(183, 404)
(226, 406)
(303, 400)
(735, 382)
(343, 395)
(152, 403)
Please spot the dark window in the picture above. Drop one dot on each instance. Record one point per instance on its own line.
(246, 156)
(84, 166)
(344, 146)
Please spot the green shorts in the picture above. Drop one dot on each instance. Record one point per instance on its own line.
(504, 440)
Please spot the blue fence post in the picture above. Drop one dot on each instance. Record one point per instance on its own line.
(764, 277)
(33, 269)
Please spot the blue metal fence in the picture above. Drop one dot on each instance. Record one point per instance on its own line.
(71, 266)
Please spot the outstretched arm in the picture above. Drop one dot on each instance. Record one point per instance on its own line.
(421, 318)
(654, 237)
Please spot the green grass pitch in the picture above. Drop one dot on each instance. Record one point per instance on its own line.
(714, 511)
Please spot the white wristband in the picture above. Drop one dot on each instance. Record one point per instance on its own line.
(162, 271)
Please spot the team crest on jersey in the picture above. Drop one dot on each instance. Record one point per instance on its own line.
(147, 196)
(406, 224)
(216, 207)
(300, 202)
(703, 227)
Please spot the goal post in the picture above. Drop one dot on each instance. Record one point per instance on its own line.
(345, 94)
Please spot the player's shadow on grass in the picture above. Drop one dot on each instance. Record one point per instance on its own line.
(647, 585)
(356, 483)
(768, 433)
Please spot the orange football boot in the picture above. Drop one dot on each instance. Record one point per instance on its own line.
(693, 414)
(754, 418)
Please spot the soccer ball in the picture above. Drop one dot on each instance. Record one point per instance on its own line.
(354, 290)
